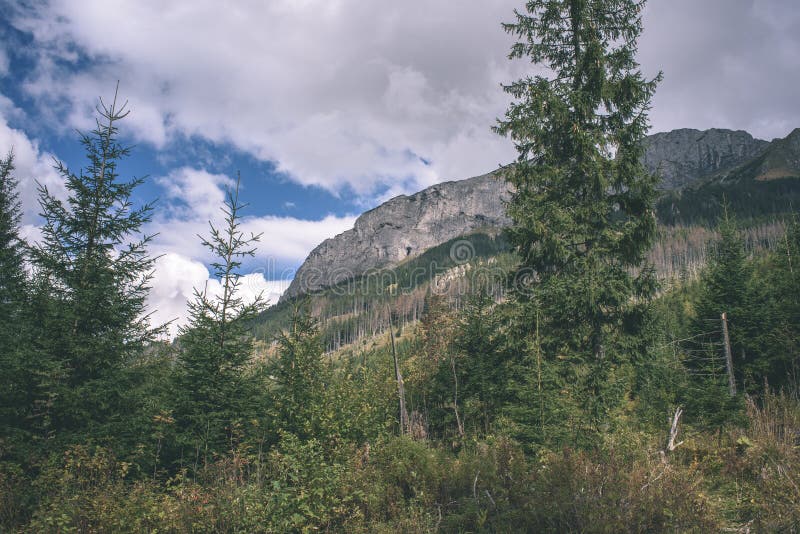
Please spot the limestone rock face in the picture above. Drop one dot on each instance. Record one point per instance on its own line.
(404, 227)
(682, 156)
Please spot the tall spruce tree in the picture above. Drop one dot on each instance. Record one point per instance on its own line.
(12, 275)
(582, 206)
(214, 392)
(13, 379)
(301, 377)
(92, 272)
(723, 289)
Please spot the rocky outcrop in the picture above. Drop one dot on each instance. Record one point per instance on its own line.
(683, 156)
(404, 227)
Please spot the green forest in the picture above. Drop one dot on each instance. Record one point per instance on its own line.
(576, 392)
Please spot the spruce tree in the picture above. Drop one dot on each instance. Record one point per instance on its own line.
(724, 279)
(12, 275)
(723, 288)
(479, 340)
(301, 377)
(214, 388)
(14, 385)
(92, 271)
(582, 206)
(781, 338)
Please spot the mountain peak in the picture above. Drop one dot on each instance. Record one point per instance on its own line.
(781, 159)
(682, 156)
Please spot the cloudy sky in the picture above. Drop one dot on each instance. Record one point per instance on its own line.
(328, 107)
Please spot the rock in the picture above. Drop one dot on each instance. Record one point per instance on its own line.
(683, 156)
(404, 227)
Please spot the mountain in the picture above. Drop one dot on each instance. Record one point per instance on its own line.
(402, 229)
(781, 160)
(698, 169)
(766, 184)
(683, 156)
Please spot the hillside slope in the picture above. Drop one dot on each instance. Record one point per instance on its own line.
(767, 184)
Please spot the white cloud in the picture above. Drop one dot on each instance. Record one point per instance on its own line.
(175, 279)
(31, 164)
(31, 233)
(336, 93)
(349, 92)
(202, 192)
(181, 265)
(171, 288)
(195, 196)
(726, 63)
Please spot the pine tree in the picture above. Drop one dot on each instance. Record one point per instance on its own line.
(723, 289)
(301, 377)
(479, 341)
(214, 382)
(582, 207)
(12, 275)
(92, 271)
(724, 280)
(14, 385)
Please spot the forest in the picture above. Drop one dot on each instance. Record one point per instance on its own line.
(577, 391)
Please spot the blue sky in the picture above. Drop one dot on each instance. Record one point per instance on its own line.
(329, 107)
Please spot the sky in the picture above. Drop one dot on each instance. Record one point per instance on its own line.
(327, 108)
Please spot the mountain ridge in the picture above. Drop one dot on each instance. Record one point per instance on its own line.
(407, 225)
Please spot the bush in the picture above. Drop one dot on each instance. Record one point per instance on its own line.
(607, 492)
(769, 463)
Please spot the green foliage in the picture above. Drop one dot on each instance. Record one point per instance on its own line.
(544, 412)
(724, 282)
(14, 336)
(769, 460)
(410, 470)
(614, 492)
(215, 388)
(723, 289)
(12, 276)
(772, 337)
(81, 491)
(465, 386)
(308, 491)
(740, 195)
(582, 208)
(484, 370)
(543, 409)
(91, 276)
(301, 381)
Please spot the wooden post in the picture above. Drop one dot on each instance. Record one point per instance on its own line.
(728, 358)
(401, 391)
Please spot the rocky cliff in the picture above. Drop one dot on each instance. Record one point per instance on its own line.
(682, 156)
(406, 226)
